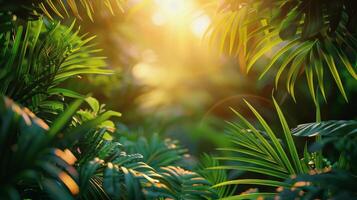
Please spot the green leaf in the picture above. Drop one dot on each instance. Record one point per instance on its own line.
(269, 150)
(289, 139)
(290, 24)
(274, 139)
(303, 47)
(319, 69)
(267, 47)
(250, 196)
(313, 21)
(52, 8)
(271, 183)
(259, 170)
(331, 65)
(93, 103)
(248, 153)
(254, 161)
(66, 93)
(310, 78)
(64, 118)
(291, 45)
(326, 128)
(111, 182)
(226, 28)
(293, 71)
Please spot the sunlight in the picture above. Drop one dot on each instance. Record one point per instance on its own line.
(171, 10)
(143, 71)
(165, 64)
(158, 19)
(200, 25)
(174, 7)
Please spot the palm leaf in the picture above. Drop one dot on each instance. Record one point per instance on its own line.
(254, 182)
(297, 31)
(215, 176)
(250, 196)
(184, 184)
(79, 9)
(326, 128)
(288, 138)
(33, 157)
(261, 153)
(155, 151)
(43, 56)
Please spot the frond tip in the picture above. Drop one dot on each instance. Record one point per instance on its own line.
(81, 8)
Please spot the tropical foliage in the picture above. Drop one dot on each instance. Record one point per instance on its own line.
(43, 55)
(309, 37)
(261, 152)
(61, 9)
(57, 143)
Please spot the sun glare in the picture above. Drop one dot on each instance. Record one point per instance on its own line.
(173, 11)
(179, 12)
(167, 62)
(158, 19)
(174, 8)
(200, 25)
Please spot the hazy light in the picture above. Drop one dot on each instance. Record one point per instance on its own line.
(133, 2)
(141, 70)
(200, 25)
(146, 69)
(174, 7)
(158, 19)
(149, 56)
(173, 11)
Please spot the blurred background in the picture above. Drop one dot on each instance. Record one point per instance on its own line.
(169, 81)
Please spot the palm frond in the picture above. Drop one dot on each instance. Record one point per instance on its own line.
(42, 56)
(229, 33)
(184, 184)
(215, 176)
(105, 171)
(308, 39)
(80, 9)
(261, 152)
(326, 128)
(255, 151)
(29, 160)
(250, 196)
(338, 144)
(107, 180)
(156, 152)
(338, 136)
